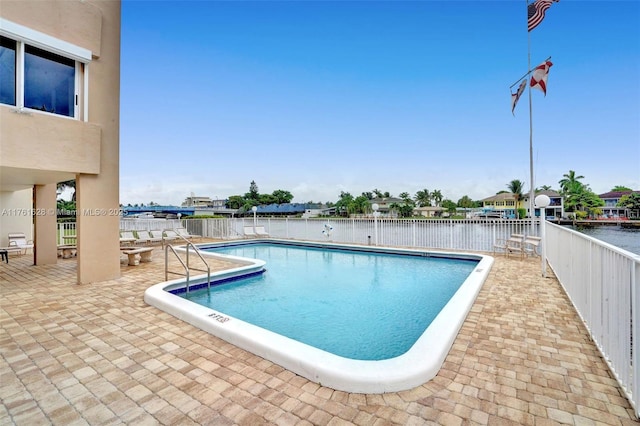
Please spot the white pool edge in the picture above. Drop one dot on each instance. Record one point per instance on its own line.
(414, 368)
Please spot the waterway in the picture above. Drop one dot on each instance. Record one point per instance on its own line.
(625, 238)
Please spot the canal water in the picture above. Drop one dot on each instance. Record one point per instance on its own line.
(625, 238)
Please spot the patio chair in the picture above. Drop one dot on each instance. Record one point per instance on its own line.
(144, 237)
(18, 242)
(185, 234)
(170, 235)
(513, 244)
(162, 235)
(531, 245)
(260, 231)
(127, 238)
(249, 231)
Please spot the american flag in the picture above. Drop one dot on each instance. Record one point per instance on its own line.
(536, 11)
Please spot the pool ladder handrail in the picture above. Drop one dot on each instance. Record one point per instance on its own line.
(186, 266)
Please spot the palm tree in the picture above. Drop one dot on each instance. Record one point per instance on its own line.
(437, 197)
(516, 187)
(545, 188)
(423, 198)
(569, 180)
(61, 186)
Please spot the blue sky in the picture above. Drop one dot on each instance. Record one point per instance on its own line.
(319, 97)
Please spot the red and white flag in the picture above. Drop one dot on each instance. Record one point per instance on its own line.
(516, 96)
(539, 76)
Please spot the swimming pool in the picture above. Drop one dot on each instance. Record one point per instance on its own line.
(399, 371)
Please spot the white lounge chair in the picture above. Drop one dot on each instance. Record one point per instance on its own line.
(127, 238)
(162, 235)
(18, 242)
(145, 238)
(260, 231)
(170, 235)
(249, 231)
(184, 233)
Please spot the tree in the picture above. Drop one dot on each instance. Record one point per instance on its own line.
(569, 180)
(423, 198)
(450, 206)
(630, 201)
(282, 196)
(465, 202)
(253, 193)
(235, 202)
(544, 188)
(516, 187)
(404, 209)
(437, 196)
(71, 184)
(406, 197)
(342, 205)
(380, 194)
(620, 188)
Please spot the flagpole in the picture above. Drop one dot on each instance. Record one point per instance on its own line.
(531, 191)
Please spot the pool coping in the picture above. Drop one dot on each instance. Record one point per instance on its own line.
(413, 368)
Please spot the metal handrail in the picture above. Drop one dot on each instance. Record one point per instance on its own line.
(186, 266)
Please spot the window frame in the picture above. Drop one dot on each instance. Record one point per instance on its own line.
(82, 57)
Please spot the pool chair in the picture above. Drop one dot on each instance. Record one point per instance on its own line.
(18, 242)
(513, 244)
(127, 238)
(185, 234)
(163, 236)
(144, 237)
(531, 245)
(170, 235)
(249, 231)
(260, 231)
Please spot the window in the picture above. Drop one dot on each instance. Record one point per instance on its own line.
(7, 71)
(49, 82)
(42, 73)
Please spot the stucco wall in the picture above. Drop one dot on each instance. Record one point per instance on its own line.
(87, 150)
(15, 214)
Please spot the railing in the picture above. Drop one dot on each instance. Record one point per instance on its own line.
(186, 266)
(602, 282)
(65, 229)
(445, 234)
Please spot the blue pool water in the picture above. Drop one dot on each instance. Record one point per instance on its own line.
(355, 304)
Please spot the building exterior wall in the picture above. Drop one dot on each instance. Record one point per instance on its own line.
(45, 249)
(41, 149)
(15, 214)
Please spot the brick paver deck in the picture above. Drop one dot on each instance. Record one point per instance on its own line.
(97, 354)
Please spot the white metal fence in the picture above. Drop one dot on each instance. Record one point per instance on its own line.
(602, 282)
(468, 235)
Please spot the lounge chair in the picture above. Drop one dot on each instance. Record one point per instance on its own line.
(145, 238)
(127, 238)
(249, 231)
(185, 234)
(18, 242)
(162, 235)
(260, 231)
(170, 235)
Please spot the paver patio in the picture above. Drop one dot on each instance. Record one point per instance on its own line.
(97, 354)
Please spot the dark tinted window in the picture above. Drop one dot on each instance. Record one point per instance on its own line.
(49, 82)
(7, 71)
